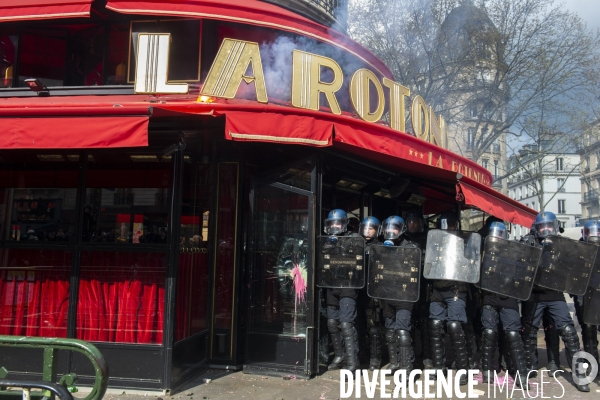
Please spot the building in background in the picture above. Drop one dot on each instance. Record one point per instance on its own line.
(590, 178)
(545, 176)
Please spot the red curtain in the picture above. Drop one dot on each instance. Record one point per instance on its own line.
(121, 297)
(34, 292)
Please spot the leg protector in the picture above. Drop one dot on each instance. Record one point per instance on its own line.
(392, 341)
(405, 350)
(489, 338)
(569, 337)
(375, 347)
(348, 333)
(552, 347)
(471, 344)
(333, 326)
(515, 347)
(436, 333)
(459, 344)
(530, 346)
(589, 334)
(425, 340)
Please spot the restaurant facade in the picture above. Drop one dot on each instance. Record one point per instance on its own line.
(165, 168)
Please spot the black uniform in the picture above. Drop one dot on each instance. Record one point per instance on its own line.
(398, 317)
(532, 312)
(341, 314)
(374, 318)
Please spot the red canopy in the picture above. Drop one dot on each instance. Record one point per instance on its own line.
(490, 201)
(19, 10)
(35, 124)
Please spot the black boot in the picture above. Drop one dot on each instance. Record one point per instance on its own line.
(569, 336)
(552, 348)
(425, 340)
(349, 335)
(489, 338)
(405, 350)
(529, 347)
(459, 344)
(436, 334)
(374, 348)
(336, 341)
(392, 342)
(515, 347)
(589, 335)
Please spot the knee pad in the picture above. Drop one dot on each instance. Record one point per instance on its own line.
(454, 328)
(568, 330)
(589, 331)
(333, 326)
(489, 333)
(512, 336)
(436, 327)
(347, 329)
(390, 335)
(404, 338)
(374, 331)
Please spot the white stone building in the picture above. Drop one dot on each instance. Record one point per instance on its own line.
(546, 180)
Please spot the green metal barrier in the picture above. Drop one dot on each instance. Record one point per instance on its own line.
(51, 347)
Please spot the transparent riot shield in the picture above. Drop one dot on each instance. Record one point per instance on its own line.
(566, 265)
(591, 300)
(394, 273)
(340, 262)
(449, 256)
(508, 268)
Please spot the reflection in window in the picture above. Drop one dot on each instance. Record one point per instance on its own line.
(38, 196)
(8, 51)
(34, 292)
(127, 199)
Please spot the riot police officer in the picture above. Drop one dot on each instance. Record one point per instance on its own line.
(416, 232)
(448, 304)
(504, 310)
(589, 333)
(546, 224)
(370, 228)
(341, 305)
(398, 314)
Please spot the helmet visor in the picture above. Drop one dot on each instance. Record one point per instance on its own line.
(336, 226)
(414, 224)
(544, 229)
(369, 230)
(591, 231)
(392, 230)
(497, 231)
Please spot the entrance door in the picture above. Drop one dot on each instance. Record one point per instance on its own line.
(280, 259)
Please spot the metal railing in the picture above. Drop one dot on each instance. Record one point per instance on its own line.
(26, 386)
(590, 195)
(51, 346)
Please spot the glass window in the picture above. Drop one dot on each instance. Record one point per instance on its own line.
(561, 206)
(484, 163)
(34, 292)
(193, 274)
(559, 164)
(127, 198)
(8, 51)
(121, 297)
(184, 56)
(38, 196)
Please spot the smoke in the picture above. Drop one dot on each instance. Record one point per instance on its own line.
(277, 66)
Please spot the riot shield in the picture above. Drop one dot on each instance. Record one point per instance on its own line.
(566, 265)
(508, 268)
(394, 273)
(450, 257)
(341, 262)
(591, 300)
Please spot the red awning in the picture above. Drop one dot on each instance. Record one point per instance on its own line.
(490, 201)
(252, 12)
(73, 127)
(22, 10)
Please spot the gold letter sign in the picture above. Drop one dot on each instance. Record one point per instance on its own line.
(307, 84)
(152, 65)
(229, 69)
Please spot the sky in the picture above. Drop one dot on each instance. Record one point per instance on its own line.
(588, 10)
